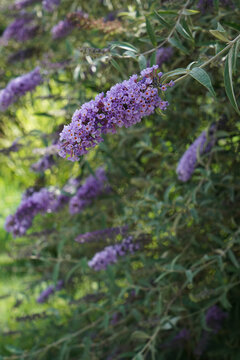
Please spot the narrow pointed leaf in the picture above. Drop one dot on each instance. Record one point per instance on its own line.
(228, 81)
(151, 33)
(203, 78)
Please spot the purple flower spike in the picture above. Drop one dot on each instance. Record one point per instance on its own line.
(21, 221)
(62, 29)
(22, 4)
(46, 162)
(188, 161)
(19, 87)
(49, 291)
(101, 234)
(214, 318)
(125, 104)
(163, 55)
(50, 5)
(110, 254)
(21, 29)
(93, 187)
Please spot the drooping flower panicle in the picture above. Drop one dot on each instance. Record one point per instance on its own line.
(203, 144)
(163, 55)
(22, 4)
(215, 317)
(110, 254)
(62, 29)
(19, 87)
(49, 291)
(125, 104)
(50, 5)
(101, 234)
(21, 29)
(93, 187)
(46, 162)
(30, 206)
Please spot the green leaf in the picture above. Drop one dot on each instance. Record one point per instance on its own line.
(168, 12)
(139, 335)
(123, 45)
(116, 65)
(189, 12)
(182, 31)
(150, 32)
(233, 259)
(161, 19)
(142, 62)
(228, 81)
(12, 349)
(235, 55)
(203, 78)
(176, 43)
(179, 71)
(232, 25)
(219, 35)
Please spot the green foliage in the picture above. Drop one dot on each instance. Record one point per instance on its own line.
(189, 232)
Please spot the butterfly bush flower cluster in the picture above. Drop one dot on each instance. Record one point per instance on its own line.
(35, 202)
(66, 26)
(62, 29)
(110, 254)
(163, 55)
(30, 206)
(101, 234)
(207, 5)
(125, 104)
(21, 29)
(22, 4)
(203, 144)
(46, 162)
(214, 320)
(50, 5)
(49, 291)
(93, 187)
(19, 87)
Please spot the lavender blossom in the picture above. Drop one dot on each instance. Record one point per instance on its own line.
(207, 5)
(93, 187)
(21, 221)
(109, 255)
(62, 29)
(19, 87)
(49, 291)
(50, 5)
(101, 234)
(22, 4)
(21, 29)
(14, 147)
(214, 319)
(46, 162)
(125, 104)
(163, 55)
(188, 161)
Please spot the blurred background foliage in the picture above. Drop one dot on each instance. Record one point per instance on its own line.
(151, 304)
